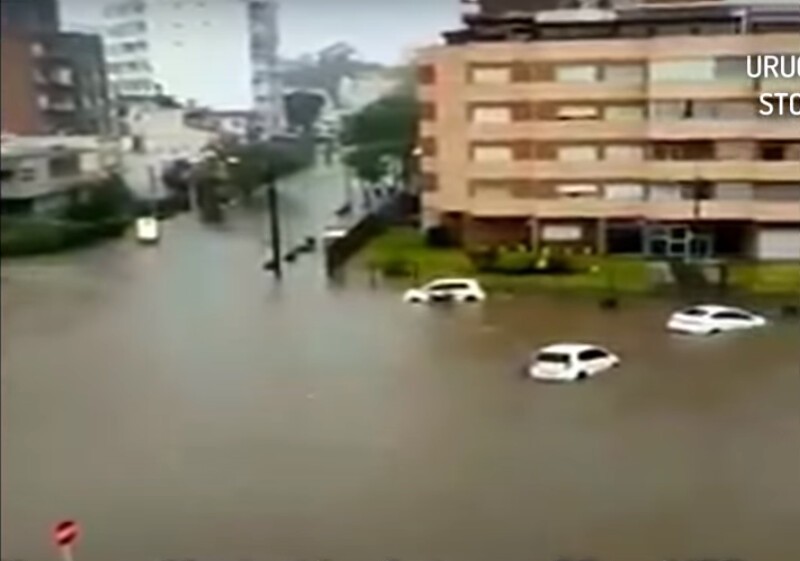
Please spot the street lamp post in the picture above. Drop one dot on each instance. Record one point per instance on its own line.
(275, 265)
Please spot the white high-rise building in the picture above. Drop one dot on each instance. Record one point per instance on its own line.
(220, 54)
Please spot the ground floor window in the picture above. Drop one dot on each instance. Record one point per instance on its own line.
(625, 238)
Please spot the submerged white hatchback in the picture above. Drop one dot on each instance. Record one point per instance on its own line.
(446, 290)
(567, 362)
(712, 319)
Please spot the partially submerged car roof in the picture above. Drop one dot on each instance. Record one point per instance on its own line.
(567, 348)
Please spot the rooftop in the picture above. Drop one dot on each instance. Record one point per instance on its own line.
(573, 24)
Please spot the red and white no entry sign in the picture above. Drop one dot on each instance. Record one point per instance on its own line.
(65, 533)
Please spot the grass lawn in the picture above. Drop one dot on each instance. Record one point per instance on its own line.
(406, 245)
(766, 278)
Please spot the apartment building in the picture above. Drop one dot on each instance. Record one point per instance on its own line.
(42, 175)
(29, 15)
(618, 131)
(53, 83)
(219, 54)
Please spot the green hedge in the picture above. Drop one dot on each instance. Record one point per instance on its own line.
(33, 236)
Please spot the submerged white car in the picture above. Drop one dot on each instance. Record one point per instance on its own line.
(567, 362)
(709, 320)
(446, 290)
(147, 230)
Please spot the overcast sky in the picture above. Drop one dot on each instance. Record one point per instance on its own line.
(381, 30)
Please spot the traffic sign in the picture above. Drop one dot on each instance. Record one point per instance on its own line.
(65, 533)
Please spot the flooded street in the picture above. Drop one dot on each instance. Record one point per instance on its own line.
(181, 406)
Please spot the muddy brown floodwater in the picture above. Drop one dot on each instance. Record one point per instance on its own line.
(180, 406)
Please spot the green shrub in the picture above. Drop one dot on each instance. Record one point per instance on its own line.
(483, 257)
(514, 262)
(396, 266)
(33, 236)
(101, 200)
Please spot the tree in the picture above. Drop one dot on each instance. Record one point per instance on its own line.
(381, 135)
(247, 165)
(100, 200)
(303, 108)
(326, 69)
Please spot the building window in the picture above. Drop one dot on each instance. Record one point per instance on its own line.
(491, 114)
(772, 151)
(62, 166)
(426, 74)
(428, 146)
(574, 190)
(683, 70)
(521, 72)
(624, 73)
(26, 175)
(777, 192)
(580, 73)
(664, 192)
(624, 113)
(624, 191)
(492, 153)
(734, 191)
(627, 152)
(731, 68)
(561, 232)
(430, 182)
(520, 188)
(62, 76)
(427, 111)
(697, 191)
(578, 112)
(683, 109)
(580, 153)
(490, 74)
(694, 150)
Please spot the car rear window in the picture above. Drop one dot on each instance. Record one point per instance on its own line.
(557, 358)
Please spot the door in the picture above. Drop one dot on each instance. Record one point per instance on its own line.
(594, 360)
(700, 247)
(730, 321)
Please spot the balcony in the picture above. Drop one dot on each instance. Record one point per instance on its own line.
(594, 130)
(761, 211)
(655, 171)
(745, 129)
(556, 91)
(500, 204)
(709, 90)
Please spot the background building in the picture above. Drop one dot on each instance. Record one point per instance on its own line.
(219, 54)
(42, 175)
(29, 15)
(53, 83)
(156, 136)
(636, 133)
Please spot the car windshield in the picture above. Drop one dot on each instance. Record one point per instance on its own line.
(694, 312)
(553, 358)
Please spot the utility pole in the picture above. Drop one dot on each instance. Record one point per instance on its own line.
(275, 229)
